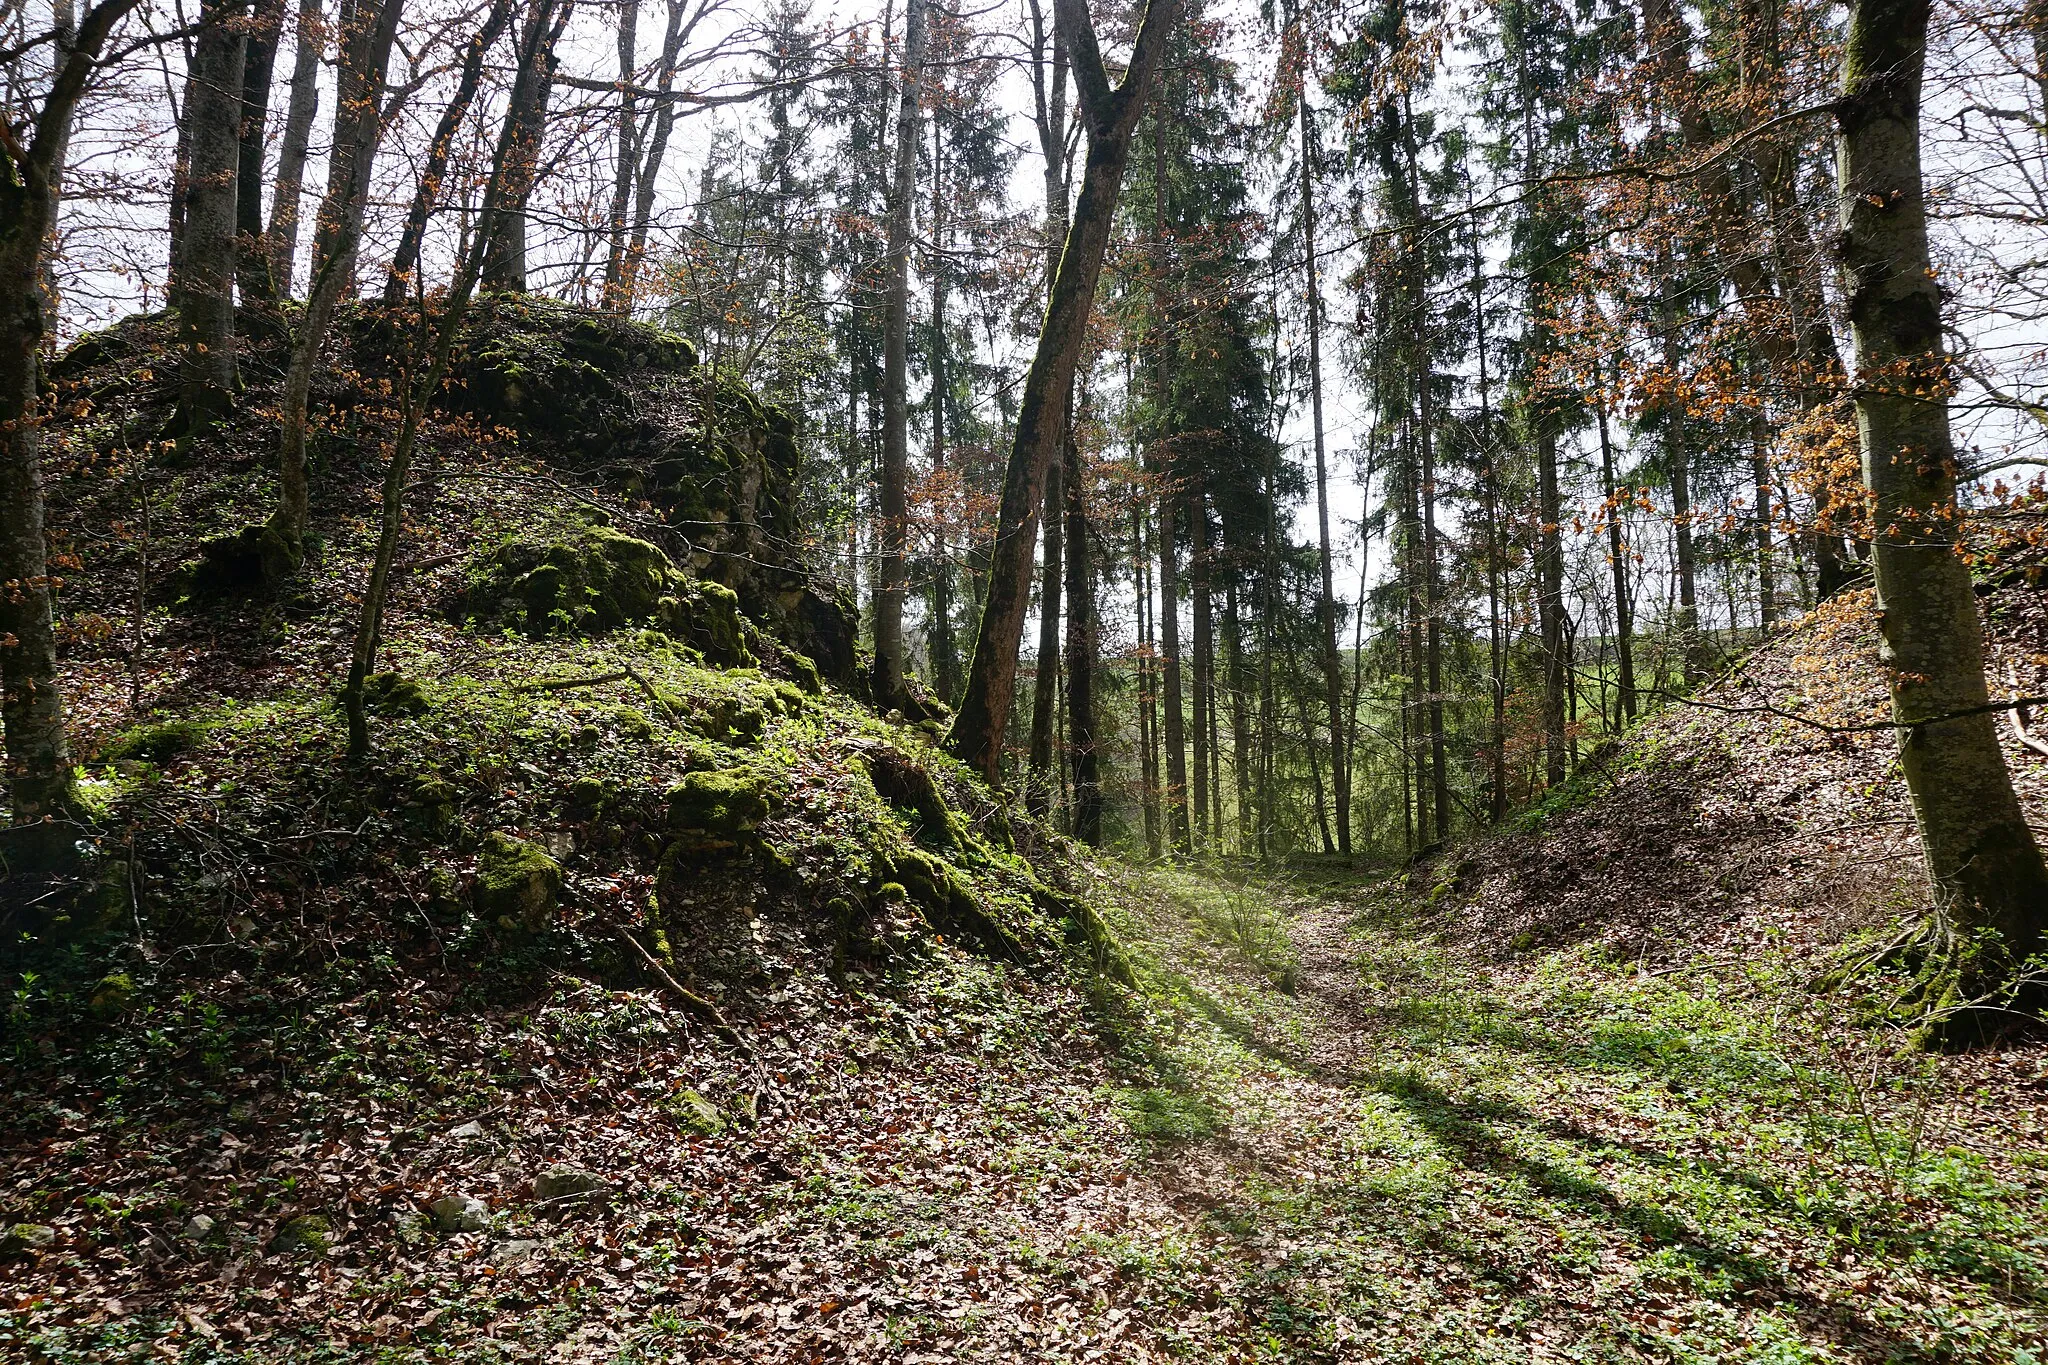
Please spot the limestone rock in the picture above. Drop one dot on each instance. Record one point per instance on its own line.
(27, 1239)
(517, 883)
(563, 1184)
(459, 1213)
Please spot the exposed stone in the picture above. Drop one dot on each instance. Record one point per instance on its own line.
(517, 883)
(249, 560)
(455, 1213)
(27, 1239)
(465, 1132)
(199, 1227)
(563, 1184)
(697, 1114)
(112, 994)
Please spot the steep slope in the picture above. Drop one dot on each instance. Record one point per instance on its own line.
(1766, 810)
(634, 913)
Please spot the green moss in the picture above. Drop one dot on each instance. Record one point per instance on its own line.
(308, 1234)
(589, 580)
(517, 883)
(729, 802)
(157, 743)
(707, 616)
(393, 694)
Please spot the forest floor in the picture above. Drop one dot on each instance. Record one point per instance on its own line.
(1320, 1129)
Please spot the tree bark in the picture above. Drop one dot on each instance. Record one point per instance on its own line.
(1617, 558)
(1112, 115)
(1982, 859)
(504, 264)
(1040, 760)
(1080, 655)
(1169, 630)
(31, 699)
(252, 264)
(625, 154)
(281, 240)
(203, 286)
(892, 522)
(1550, 599)
(1198, 593)
(366, 39)
(509, 161)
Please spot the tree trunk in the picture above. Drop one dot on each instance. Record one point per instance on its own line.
(64, 26)
(1148, 712)
(1198, 593)
(281, 241)
(1080, 655)
(405, 262)
(504, 264)
(1326, 604)
(1617, 558)
(892, 522)
(509, 162)
(1240, 717)
(1040, 762)
(1112, 115)
(1982, 859)
(625, 155)
(657, 150)
(203, 286)
(31, 701)
(1550, 600)
(252, 262)
(944, 656)
(1176, 736)
(365, 50)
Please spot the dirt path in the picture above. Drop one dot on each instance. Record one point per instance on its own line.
(1429, 1159)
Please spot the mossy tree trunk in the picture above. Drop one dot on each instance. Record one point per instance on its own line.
(31, 704)
(1985, 866)
(1112, 115)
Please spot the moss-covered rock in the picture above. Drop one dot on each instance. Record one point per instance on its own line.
(517, 883)
(588, 579)
(394, 694)
(158, 742)
(249, 560)
(707, 616)
(112, 994)
(729, 802)
(309, 1234)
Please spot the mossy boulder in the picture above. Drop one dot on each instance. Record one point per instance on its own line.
(158, 742)
(249, 560)
(706, 615)
(552, 370)
(394, 694)
(587, 580)
(729, 802)
(517, 883)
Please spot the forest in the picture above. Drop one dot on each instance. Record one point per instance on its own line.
(1336, 680)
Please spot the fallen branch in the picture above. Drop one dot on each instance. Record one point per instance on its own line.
(565, 684)
(694, 1002)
